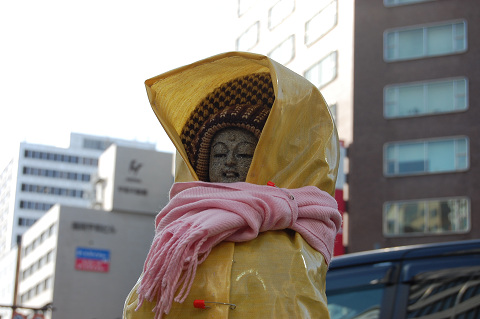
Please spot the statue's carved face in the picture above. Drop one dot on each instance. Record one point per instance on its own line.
(231, 154)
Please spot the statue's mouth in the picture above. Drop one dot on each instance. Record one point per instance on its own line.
(231, 174)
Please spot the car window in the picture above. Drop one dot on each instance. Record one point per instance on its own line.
(357, 292)
(446, 293)
(358, 303)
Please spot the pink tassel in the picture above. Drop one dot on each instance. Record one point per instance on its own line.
(167, 259)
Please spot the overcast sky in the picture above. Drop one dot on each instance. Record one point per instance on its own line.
(80, 66)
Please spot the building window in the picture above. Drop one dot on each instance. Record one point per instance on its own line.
(50, 256)
(324, 71)
(426, 157)
(285, 51)
(428, 216)
(244, 5)
(49, 190)
(279, 12)
(43, 236)
(427, 41)
(425, 98)
(48, 283)
(321, 23)
(96, 144)
(249, 38)
(393, 3)
(90, 161)
(60, 158)
(38, 264)
(22, 221)
(35, 205)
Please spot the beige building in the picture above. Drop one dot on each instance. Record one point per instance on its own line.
(81, 263)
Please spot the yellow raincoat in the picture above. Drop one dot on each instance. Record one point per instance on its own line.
(278, 274)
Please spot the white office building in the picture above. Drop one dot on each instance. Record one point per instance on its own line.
(40, 176)
(79, 262)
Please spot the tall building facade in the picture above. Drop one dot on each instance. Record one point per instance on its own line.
(40, 176)
(414, 163)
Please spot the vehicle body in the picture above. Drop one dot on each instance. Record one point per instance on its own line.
(422, 281)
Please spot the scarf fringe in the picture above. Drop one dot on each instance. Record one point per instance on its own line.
(160, 279)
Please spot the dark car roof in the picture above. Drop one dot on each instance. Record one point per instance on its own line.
(406, 252)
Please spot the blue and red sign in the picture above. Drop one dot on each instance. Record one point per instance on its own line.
(17, 315)
(88, 259)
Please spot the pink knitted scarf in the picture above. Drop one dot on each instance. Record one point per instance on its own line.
(200, 215)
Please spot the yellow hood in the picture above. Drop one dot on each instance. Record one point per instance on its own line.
(299, 143)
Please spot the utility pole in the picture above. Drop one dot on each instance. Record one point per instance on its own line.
(17, 271)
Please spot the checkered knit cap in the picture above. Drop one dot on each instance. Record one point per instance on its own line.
(244, 102)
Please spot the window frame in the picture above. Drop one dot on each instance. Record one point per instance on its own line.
(292, 56)
(425, 156)
(242, 9)
(325, 32)
(394, 3)
(425, 202)
(256, 25)
(370, 276)
(324, 58)
(424, 28)
(282, 18)
(425, 85)
(412, 269)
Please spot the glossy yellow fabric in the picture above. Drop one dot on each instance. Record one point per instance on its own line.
(289, 284)
(277, 275)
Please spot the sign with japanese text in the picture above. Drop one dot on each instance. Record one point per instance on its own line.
(89, 259)
(17, 315)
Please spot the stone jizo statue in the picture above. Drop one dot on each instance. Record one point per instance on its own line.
(240, 121)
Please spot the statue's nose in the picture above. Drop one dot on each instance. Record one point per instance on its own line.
(230, 159)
